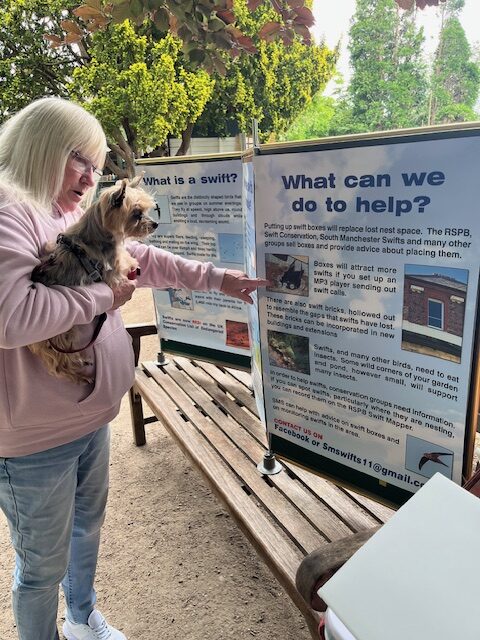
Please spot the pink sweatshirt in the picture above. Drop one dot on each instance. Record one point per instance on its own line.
(37, 410)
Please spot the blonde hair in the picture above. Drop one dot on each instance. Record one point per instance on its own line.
(35, 145)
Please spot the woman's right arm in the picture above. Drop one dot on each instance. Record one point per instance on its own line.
(31, 312)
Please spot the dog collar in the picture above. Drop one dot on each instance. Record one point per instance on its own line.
(93, 268)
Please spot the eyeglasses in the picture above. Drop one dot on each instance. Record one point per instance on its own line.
(83, 165)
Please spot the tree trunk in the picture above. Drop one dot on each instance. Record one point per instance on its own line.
(124, 151)
(432, 114)
(186, 138)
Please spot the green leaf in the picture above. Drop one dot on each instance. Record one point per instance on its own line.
(206, 9)
(122, 11)
(219, 66)
(154, 5)
(197, 56)
(215, 24)
(221, 40)
(184, 32)
(137, 8)
(161, 20)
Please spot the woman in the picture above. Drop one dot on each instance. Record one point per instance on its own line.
(54, 435)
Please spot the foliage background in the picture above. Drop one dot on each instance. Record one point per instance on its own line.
(146, 85)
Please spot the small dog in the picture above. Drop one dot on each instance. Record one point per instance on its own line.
(292, 278)
(92, 250)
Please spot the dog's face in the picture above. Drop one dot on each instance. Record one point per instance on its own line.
(124, 209)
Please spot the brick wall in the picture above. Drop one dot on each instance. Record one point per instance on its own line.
(415, 304)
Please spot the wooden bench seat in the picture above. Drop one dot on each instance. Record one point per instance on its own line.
(210, 411)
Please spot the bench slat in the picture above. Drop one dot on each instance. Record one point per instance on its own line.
(188, 399)
(242, 394)
(379, 510)
(314, 511)
(350, 511)
(243, 376)
(248, 418)
(301, 499)
(343, 503)
(282, 559)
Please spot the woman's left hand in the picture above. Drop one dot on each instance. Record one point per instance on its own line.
(238, 285)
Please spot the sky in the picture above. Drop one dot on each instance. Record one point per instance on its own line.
(332, 22)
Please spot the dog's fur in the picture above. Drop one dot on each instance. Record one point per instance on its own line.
(119, 213)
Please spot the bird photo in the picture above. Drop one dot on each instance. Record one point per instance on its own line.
(433, 456)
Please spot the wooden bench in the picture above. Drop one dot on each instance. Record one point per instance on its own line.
(210, 411)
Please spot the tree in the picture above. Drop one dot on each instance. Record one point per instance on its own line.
(205, 28)
(208, 32)
(407, 104)
(455, 78)
(29, 67)
(208, 26)
(272, 85)
(314, 121)
(388, 85)
(138, 90)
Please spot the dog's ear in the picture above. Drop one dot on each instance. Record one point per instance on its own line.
(136, 181)
(118, 196)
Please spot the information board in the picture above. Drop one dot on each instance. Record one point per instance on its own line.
(199, 211)
(368, 328)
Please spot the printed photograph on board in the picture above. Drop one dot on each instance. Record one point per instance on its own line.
(162, 209)
(231, 248)
(181, 298)
(237, 334)
(289, 351)
(287, 273)
(434, 310)
(428, 458)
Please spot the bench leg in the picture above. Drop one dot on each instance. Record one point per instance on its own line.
(136, 412)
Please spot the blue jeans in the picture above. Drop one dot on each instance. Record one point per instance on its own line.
(54, 502)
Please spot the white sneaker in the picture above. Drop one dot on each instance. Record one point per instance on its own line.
(95, 629)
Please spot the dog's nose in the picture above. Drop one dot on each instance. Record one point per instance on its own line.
(154, 224)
